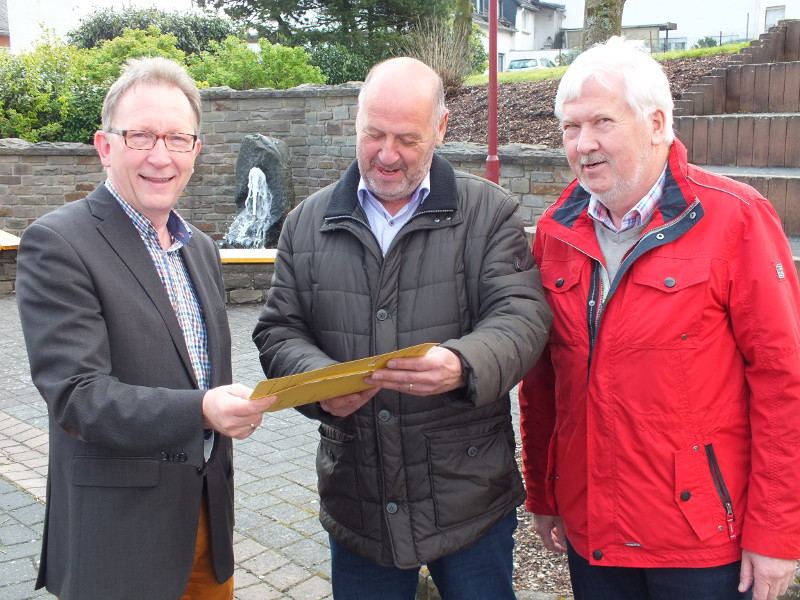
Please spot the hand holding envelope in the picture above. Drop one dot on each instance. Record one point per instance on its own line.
(329, 382)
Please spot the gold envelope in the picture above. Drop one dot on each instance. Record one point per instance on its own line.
(329, 382)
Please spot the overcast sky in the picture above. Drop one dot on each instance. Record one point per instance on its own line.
(87, 6)
(26, 17)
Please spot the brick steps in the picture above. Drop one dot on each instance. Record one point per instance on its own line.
(747, 140)
(758, 88)
(743, 120)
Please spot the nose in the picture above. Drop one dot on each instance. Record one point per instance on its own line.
(388, 153)
(159, 154)
(586, 142)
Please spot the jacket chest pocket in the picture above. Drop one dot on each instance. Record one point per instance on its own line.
(668, 299)
(566, 298)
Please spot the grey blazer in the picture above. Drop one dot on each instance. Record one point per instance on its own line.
(126, 471)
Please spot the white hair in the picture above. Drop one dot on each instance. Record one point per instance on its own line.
(646, 85)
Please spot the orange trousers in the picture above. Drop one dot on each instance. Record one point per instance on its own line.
(202, 582)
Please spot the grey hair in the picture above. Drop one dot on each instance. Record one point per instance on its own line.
(646, 85)
(439, 104)
(153, 70)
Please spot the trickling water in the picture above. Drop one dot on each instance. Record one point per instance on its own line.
(250, 226)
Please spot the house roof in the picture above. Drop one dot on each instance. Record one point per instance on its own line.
(540, 5)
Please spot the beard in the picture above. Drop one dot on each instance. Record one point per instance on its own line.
(620, 192)
(398, 191)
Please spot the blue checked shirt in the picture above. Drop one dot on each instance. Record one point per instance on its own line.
(175, 277)
(639, 214)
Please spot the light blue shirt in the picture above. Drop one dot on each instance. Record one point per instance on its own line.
(384, 225)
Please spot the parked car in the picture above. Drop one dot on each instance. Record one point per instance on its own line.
(528, 64)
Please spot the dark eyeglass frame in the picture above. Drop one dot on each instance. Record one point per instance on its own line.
(124, 133)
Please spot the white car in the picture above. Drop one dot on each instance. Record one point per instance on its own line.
(529, 64)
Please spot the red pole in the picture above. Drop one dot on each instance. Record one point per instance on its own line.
(492, 161)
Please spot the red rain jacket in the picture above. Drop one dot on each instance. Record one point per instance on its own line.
(663, 425)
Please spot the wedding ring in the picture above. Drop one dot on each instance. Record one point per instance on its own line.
(410, 387)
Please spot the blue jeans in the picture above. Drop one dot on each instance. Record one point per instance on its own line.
(481, 571)
(592, 582)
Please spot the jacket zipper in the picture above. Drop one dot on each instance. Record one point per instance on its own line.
(596, 300)
(722, 489)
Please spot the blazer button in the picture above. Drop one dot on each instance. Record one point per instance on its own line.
(685, 495)
(597, 554)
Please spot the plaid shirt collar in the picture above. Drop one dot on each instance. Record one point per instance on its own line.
(641, 213)
(178, 229)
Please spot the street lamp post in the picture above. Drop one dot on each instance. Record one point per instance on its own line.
(492, 160)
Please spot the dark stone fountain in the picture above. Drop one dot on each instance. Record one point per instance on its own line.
(264, 193)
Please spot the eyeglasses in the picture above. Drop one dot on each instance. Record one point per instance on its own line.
(146, 140)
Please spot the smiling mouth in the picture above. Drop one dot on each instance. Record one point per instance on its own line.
(590, 163)
(157, 179)
(385, 171)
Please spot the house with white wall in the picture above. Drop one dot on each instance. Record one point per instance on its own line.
(523, 26)
(724, 20)
(5, 40)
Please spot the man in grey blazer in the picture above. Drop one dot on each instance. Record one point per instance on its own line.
(123, 312)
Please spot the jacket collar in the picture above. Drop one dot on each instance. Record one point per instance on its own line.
(442, 198)
(571, 210)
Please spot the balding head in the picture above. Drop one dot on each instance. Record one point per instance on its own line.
(405, 77)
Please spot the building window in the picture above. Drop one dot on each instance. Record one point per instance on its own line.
(773, 15)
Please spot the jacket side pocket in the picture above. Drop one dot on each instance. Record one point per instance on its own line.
(99, 471)
(695, 495)
(472, 472)
(338, 477)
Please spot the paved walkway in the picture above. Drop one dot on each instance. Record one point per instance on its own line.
(281, 550)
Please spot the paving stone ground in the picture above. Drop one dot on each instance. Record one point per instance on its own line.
(281, 549)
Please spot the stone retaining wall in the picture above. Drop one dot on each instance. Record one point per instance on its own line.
(316, 122)
(8, 271)
(247, 282)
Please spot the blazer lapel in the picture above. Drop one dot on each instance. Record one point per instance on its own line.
(208, 295)
(121, 235)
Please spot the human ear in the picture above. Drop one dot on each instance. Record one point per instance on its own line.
(658, 121)
(103, 146)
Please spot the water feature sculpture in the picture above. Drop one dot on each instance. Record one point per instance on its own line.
(264, 193)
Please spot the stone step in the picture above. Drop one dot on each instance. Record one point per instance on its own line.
(746, 139)
(746, 87)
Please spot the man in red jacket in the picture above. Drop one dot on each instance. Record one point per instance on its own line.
(661, 430)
